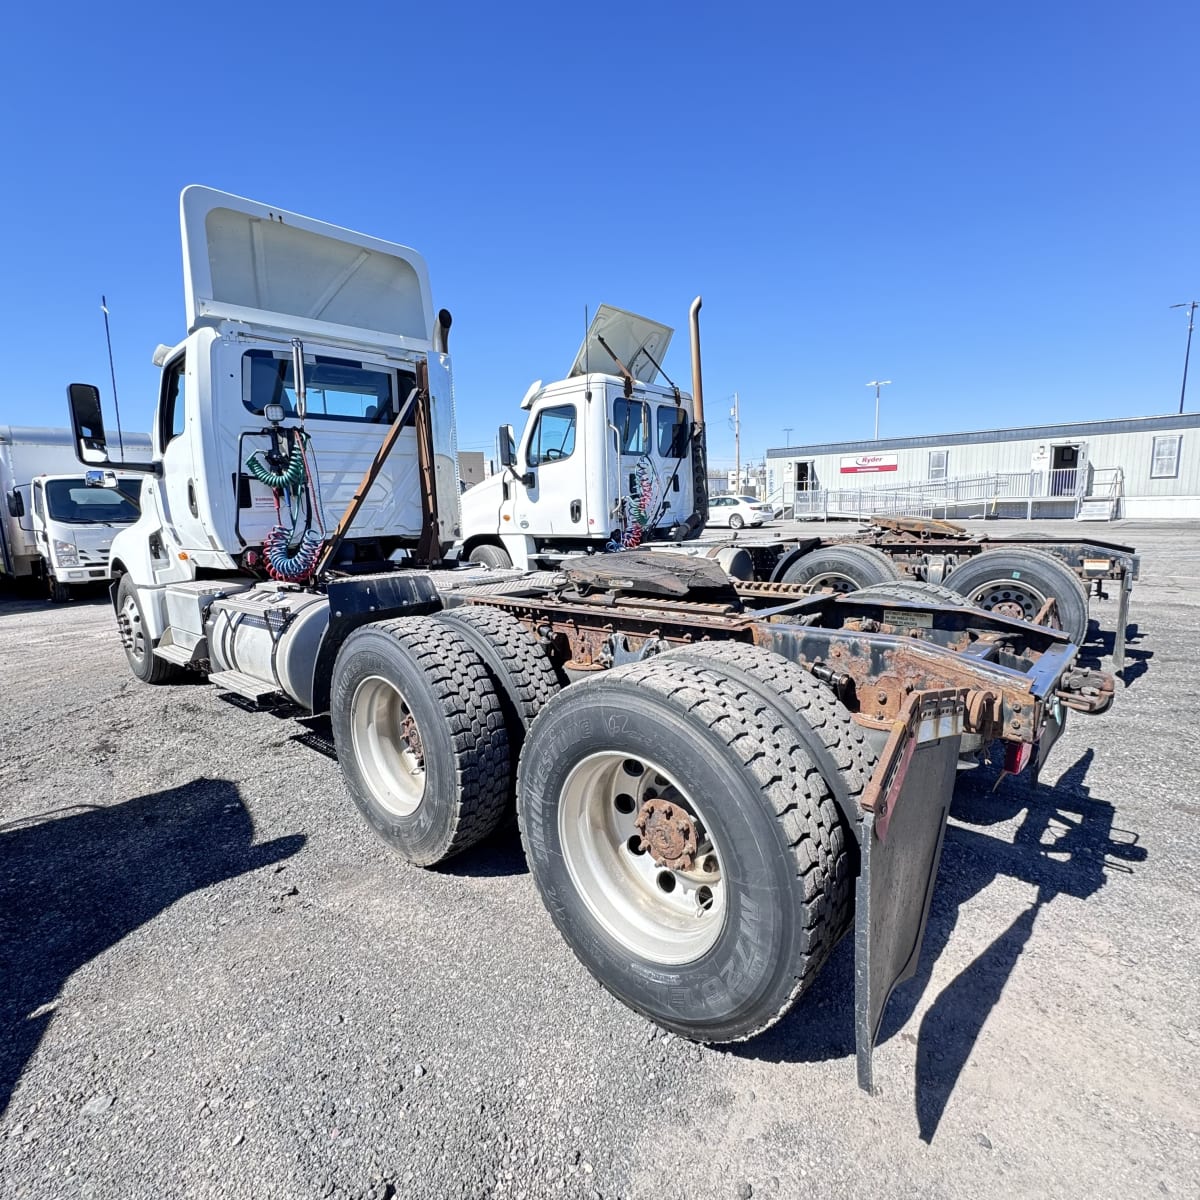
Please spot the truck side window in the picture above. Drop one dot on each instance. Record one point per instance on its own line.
(170, 406)
(553, 437)
(632, 419)
(672, 431)
(39, 504)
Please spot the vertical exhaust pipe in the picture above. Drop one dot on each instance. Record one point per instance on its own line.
(699, 518)
(697, 381)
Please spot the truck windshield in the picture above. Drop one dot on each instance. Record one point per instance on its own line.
(74, 503)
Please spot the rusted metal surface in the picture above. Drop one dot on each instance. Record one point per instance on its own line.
(926, 716)
(668, 834)
(875, 654)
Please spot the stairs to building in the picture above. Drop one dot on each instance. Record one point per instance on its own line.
(1104, 497)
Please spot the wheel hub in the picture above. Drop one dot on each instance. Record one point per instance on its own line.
(668, 834)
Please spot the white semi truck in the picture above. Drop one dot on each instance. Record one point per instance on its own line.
(715, 780)
(610, 459)
(53, 526)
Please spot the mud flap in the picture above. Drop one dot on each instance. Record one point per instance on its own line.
(901, 846)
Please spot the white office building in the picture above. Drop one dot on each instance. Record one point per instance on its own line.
(1097, 470)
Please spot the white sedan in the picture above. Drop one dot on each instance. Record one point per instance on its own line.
(737, 511)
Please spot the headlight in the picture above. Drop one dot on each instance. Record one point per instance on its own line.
(66, 553)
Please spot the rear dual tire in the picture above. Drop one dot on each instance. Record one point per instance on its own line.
(715, 951)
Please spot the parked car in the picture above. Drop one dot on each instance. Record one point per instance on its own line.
(737, 511)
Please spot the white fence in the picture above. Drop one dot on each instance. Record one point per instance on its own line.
(1064, 490)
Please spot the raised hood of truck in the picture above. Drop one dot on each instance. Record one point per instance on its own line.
(245, 261)
(634, 340)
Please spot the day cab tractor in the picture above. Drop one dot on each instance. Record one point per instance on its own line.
(715, 779)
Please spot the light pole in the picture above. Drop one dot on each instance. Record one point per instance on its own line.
(877, 384)
(787, 434)
(1190, 305)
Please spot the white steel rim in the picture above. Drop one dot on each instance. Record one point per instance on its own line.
(667, 916)
(835, 581)
(134, 630)
(387, 745)
(1009, 598)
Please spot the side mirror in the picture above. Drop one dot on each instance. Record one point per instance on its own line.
(87, 422)
(508, 455)
(16, 504)
(100, 479)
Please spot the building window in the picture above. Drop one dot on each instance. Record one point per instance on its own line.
(937, 463)
(1164, 462)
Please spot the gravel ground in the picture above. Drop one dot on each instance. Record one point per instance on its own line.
(214, 982)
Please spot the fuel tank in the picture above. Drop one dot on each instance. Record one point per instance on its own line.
(271, 633)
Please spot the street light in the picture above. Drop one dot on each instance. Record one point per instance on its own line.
(877, 384)
(1190, 305)
(787, 434)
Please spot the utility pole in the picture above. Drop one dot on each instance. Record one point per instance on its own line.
(737, 445)
(787, 434)
(877, 384)
(1190, 305)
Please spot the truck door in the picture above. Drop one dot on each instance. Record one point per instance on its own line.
(551, 499)
(672, 450)
(177, 487)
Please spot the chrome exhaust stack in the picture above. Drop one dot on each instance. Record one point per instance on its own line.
(697, 381)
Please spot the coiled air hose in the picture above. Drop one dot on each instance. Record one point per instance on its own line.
(290, 478)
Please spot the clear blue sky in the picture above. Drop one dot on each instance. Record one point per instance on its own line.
(991, 205)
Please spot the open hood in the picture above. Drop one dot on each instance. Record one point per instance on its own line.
(245, 261)
(629, 336)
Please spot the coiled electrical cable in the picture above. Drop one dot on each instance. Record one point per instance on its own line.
(289, 479)
(293, 564)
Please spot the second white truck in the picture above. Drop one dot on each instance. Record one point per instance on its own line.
(54, 526)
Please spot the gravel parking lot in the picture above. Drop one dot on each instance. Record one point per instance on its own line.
(215, 982)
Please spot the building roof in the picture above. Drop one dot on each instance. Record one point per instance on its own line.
(1075, 429)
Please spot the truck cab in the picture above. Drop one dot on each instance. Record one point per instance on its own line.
(306, 342)
(605, 459)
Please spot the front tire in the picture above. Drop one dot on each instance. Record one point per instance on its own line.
(420, 737)
(674, 826)
(736, 521)
(60, 592)
(495, 557)
(139, 649)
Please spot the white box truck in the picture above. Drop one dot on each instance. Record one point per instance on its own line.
(54, 526)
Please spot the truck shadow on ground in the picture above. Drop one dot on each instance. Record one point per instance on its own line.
(78, 880)
(1097, 652)
(1066, 844)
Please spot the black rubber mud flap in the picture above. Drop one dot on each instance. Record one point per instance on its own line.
(901, 846)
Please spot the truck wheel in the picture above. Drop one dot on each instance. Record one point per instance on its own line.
(1017, 581)
(519, 668)
(420, 737)
(491, 556)
(844, 567)
(918, 591)
(676, 829)
(831, 740)
(139, 651)
(60, 592)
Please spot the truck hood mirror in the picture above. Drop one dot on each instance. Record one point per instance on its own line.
(100, 479)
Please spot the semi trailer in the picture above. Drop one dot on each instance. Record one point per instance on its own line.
(54, 527)
(715, 779)
(608, 459)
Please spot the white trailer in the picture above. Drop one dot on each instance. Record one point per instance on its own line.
(54, 526)
(735, 777)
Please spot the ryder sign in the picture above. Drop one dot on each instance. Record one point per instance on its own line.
(868, 464)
